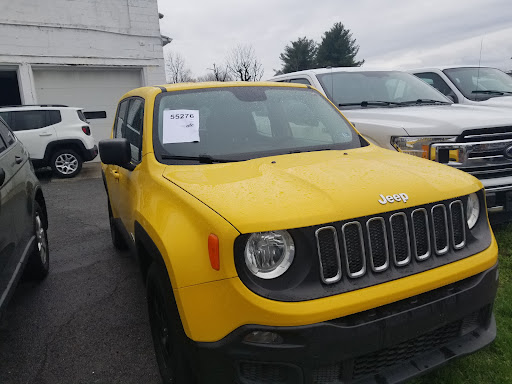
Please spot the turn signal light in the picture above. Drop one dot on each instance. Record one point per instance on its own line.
(213, 251)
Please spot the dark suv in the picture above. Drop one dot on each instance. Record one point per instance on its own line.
(23, 219)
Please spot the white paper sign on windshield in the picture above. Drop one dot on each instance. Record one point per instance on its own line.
(180, 126)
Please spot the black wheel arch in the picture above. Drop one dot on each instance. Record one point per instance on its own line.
(147, 251)
(74, 144)
(39, 198)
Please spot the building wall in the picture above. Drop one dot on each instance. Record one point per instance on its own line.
(99, 33)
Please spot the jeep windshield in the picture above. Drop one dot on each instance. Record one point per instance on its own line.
(480, 84)
(378, 89)
(226, 124)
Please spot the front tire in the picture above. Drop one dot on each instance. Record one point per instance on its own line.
(169, 338)
(66, 163)
(38, 263)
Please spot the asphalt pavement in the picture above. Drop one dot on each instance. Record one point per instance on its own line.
(87, 321)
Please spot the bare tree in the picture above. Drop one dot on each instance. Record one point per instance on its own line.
(175, 69)
(220, 73)
(243, 65)
(217, 73)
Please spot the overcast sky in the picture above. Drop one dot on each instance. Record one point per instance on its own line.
(391, 34)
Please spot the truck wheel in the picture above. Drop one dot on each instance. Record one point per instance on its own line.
(117, 238)
(66, 163)
(38, 263)
(168, 335)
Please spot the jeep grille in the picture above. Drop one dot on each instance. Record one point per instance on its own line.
(383, 244)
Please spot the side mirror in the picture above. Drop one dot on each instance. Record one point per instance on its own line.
(452, 97)
(116, 152)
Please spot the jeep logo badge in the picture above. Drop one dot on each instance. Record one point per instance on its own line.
(396, 197)
(508, 152)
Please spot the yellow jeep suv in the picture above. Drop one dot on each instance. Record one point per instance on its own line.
(279, 246)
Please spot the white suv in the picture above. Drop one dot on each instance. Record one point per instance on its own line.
(55, 135)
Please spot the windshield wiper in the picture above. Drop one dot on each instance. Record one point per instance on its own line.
(372, 103)
(493, 92)
(425, 101)
(203, 159)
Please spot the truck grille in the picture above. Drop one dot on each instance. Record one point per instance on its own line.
(393, 242)
(488, 159)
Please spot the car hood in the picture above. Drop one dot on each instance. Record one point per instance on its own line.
(303, 189)
(430, 119)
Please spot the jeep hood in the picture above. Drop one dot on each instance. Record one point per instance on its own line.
(303, 189)
(449, 119)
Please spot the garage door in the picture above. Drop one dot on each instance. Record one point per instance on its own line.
(95, 90)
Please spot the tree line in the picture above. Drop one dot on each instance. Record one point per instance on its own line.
(337, 49)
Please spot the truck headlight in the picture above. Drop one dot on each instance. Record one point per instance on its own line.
(269, 254)
(472, 210)
(418, 145)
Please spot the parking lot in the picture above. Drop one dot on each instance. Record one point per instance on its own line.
(87, 322)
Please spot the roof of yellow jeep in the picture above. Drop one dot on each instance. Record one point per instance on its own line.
(149, 91)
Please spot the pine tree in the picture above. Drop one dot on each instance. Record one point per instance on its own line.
(338, 48)
(299, 55)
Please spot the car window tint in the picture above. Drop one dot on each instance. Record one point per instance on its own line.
(6, 137)
(120, 125)
(300, 81)
(7, 117)
(25, 120)
(54, 117)
(435, 81)
(133, 130)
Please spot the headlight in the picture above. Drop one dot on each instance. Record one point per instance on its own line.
(269, 254)
(419, 146)
(472, 210)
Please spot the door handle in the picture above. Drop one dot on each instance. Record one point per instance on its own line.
(45, 133)
(2, 176)
(18, 159)
(115, 174)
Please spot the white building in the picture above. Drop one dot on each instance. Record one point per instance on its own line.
(83, 53)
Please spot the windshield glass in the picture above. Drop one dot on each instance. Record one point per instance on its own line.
(240, 123)
(354, 88)
(480, 83)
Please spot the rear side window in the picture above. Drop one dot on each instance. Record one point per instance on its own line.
(54, 117)
(81, 116)
(25, 120)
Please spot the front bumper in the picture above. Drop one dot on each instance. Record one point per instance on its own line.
(388, 344)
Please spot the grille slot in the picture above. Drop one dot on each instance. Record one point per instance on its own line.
(400, 239)
(441, 243)
(329, 254)
(421, 233)
(353, 244)
(458, 226)
(377, 236)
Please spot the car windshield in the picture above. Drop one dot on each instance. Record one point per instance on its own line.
(377, 89)
(239, 123)
(480, 83)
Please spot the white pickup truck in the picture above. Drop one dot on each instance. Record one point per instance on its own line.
(470, 85)
(398, 111)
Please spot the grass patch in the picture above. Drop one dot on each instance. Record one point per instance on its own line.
(492, 364)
